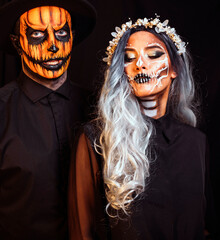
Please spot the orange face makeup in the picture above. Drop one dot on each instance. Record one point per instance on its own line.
(147, 64)
(46, 40)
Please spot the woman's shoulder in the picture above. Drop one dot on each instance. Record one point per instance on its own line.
(92, 130)
(192, 134)
(189, 129)
(173, 127)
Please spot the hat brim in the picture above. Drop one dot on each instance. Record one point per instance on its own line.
(82, 13)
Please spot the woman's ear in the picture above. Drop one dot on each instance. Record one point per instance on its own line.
(16, 43)
(173, 74)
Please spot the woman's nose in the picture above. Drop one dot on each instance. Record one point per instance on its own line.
(140, 64)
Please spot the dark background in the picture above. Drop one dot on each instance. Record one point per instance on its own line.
(198, 23)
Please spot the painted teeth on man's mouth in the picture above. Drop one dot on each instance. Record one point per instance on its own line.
(141, 78)
(52, 62)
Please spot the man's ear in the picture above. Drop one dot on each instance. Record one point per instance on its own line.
(16, 43)
(74, 33)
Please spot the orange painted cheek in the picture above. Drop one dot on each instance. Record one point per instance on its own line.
(24, 44)
(23, 38)
(55, 74)
(36, 68)
(62, 70)
(42, 51)
(65, 48)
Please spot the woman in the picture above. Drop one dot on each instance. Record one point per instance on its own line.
(139, 169)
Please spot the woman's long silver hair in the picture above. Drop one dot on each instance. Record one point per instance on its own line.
(126, 134)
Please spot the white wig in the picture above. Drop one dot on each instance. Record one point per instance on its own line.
(125, 139)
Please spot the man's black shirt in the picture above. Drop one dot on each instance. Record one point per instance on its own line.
(36, 126)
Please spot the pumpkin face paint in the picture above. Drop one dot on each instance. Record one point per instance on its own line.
(46, 40)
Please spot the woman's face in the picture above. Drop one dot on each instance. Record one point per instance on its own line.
(147, 64)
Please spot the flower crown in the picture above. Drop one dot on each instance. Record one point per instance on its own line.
(158, 26)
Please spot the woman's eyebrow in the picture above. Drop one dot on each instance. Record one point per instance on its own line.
(129, 49)
(154, 46)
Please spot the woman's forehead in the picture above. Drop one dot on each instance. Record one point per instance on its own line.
(142, 39)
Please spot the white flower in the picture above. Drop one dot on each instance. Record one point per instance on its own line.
(157, 29)
(118, 29)
(145, 21)
(114, 34)
(155, 21)
(165, 23)
(172, 30)
(128, 23)
(111, 43)
(105, 59)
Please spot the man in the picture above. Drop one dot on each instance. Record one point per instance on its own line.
(37, 115)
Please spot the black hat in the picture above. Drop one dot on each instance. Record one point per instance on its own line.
(82, 13)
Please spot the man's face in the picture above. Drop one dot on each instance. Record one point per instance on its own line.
(46, 40)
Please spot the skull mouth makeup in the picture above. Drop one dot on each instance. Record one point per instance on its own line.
(151, 67)
(147, 65)
(145, 78)
(141, 78)
(46, 40)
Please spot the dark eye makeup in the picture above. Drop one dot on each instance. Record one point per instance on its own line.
(37, 34)
(155, 54)
(63, 34)
(36, 37)
(129, 56)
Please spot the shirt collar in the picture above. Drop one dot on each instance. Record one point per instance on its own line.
(35, 91)
(167, 126)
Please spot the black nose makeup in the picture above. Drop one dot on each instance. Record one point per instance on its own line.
(143, 67)
(53, 48)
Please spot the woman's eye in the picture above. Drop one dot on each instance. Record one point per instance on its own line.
(156, 54)
(129, 57)
(61, 33)
(37, 34)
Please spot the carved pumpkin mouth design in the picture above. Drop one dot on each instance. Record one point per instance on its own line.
(52, 64)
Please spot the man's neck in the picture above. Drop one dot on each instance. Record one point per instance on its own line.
(52, 84)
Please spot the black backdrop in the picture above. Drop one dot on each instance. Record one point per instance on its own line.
(196, 20)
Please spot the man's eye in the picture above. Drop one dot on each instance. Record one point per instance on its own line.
(61, 33)
(156, 54)
(37, 34)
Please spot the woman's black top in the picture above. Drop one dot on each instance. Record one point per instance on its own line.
(173, 203)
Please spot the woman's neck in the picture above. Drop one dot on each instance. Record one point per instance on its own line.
(154, 106)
